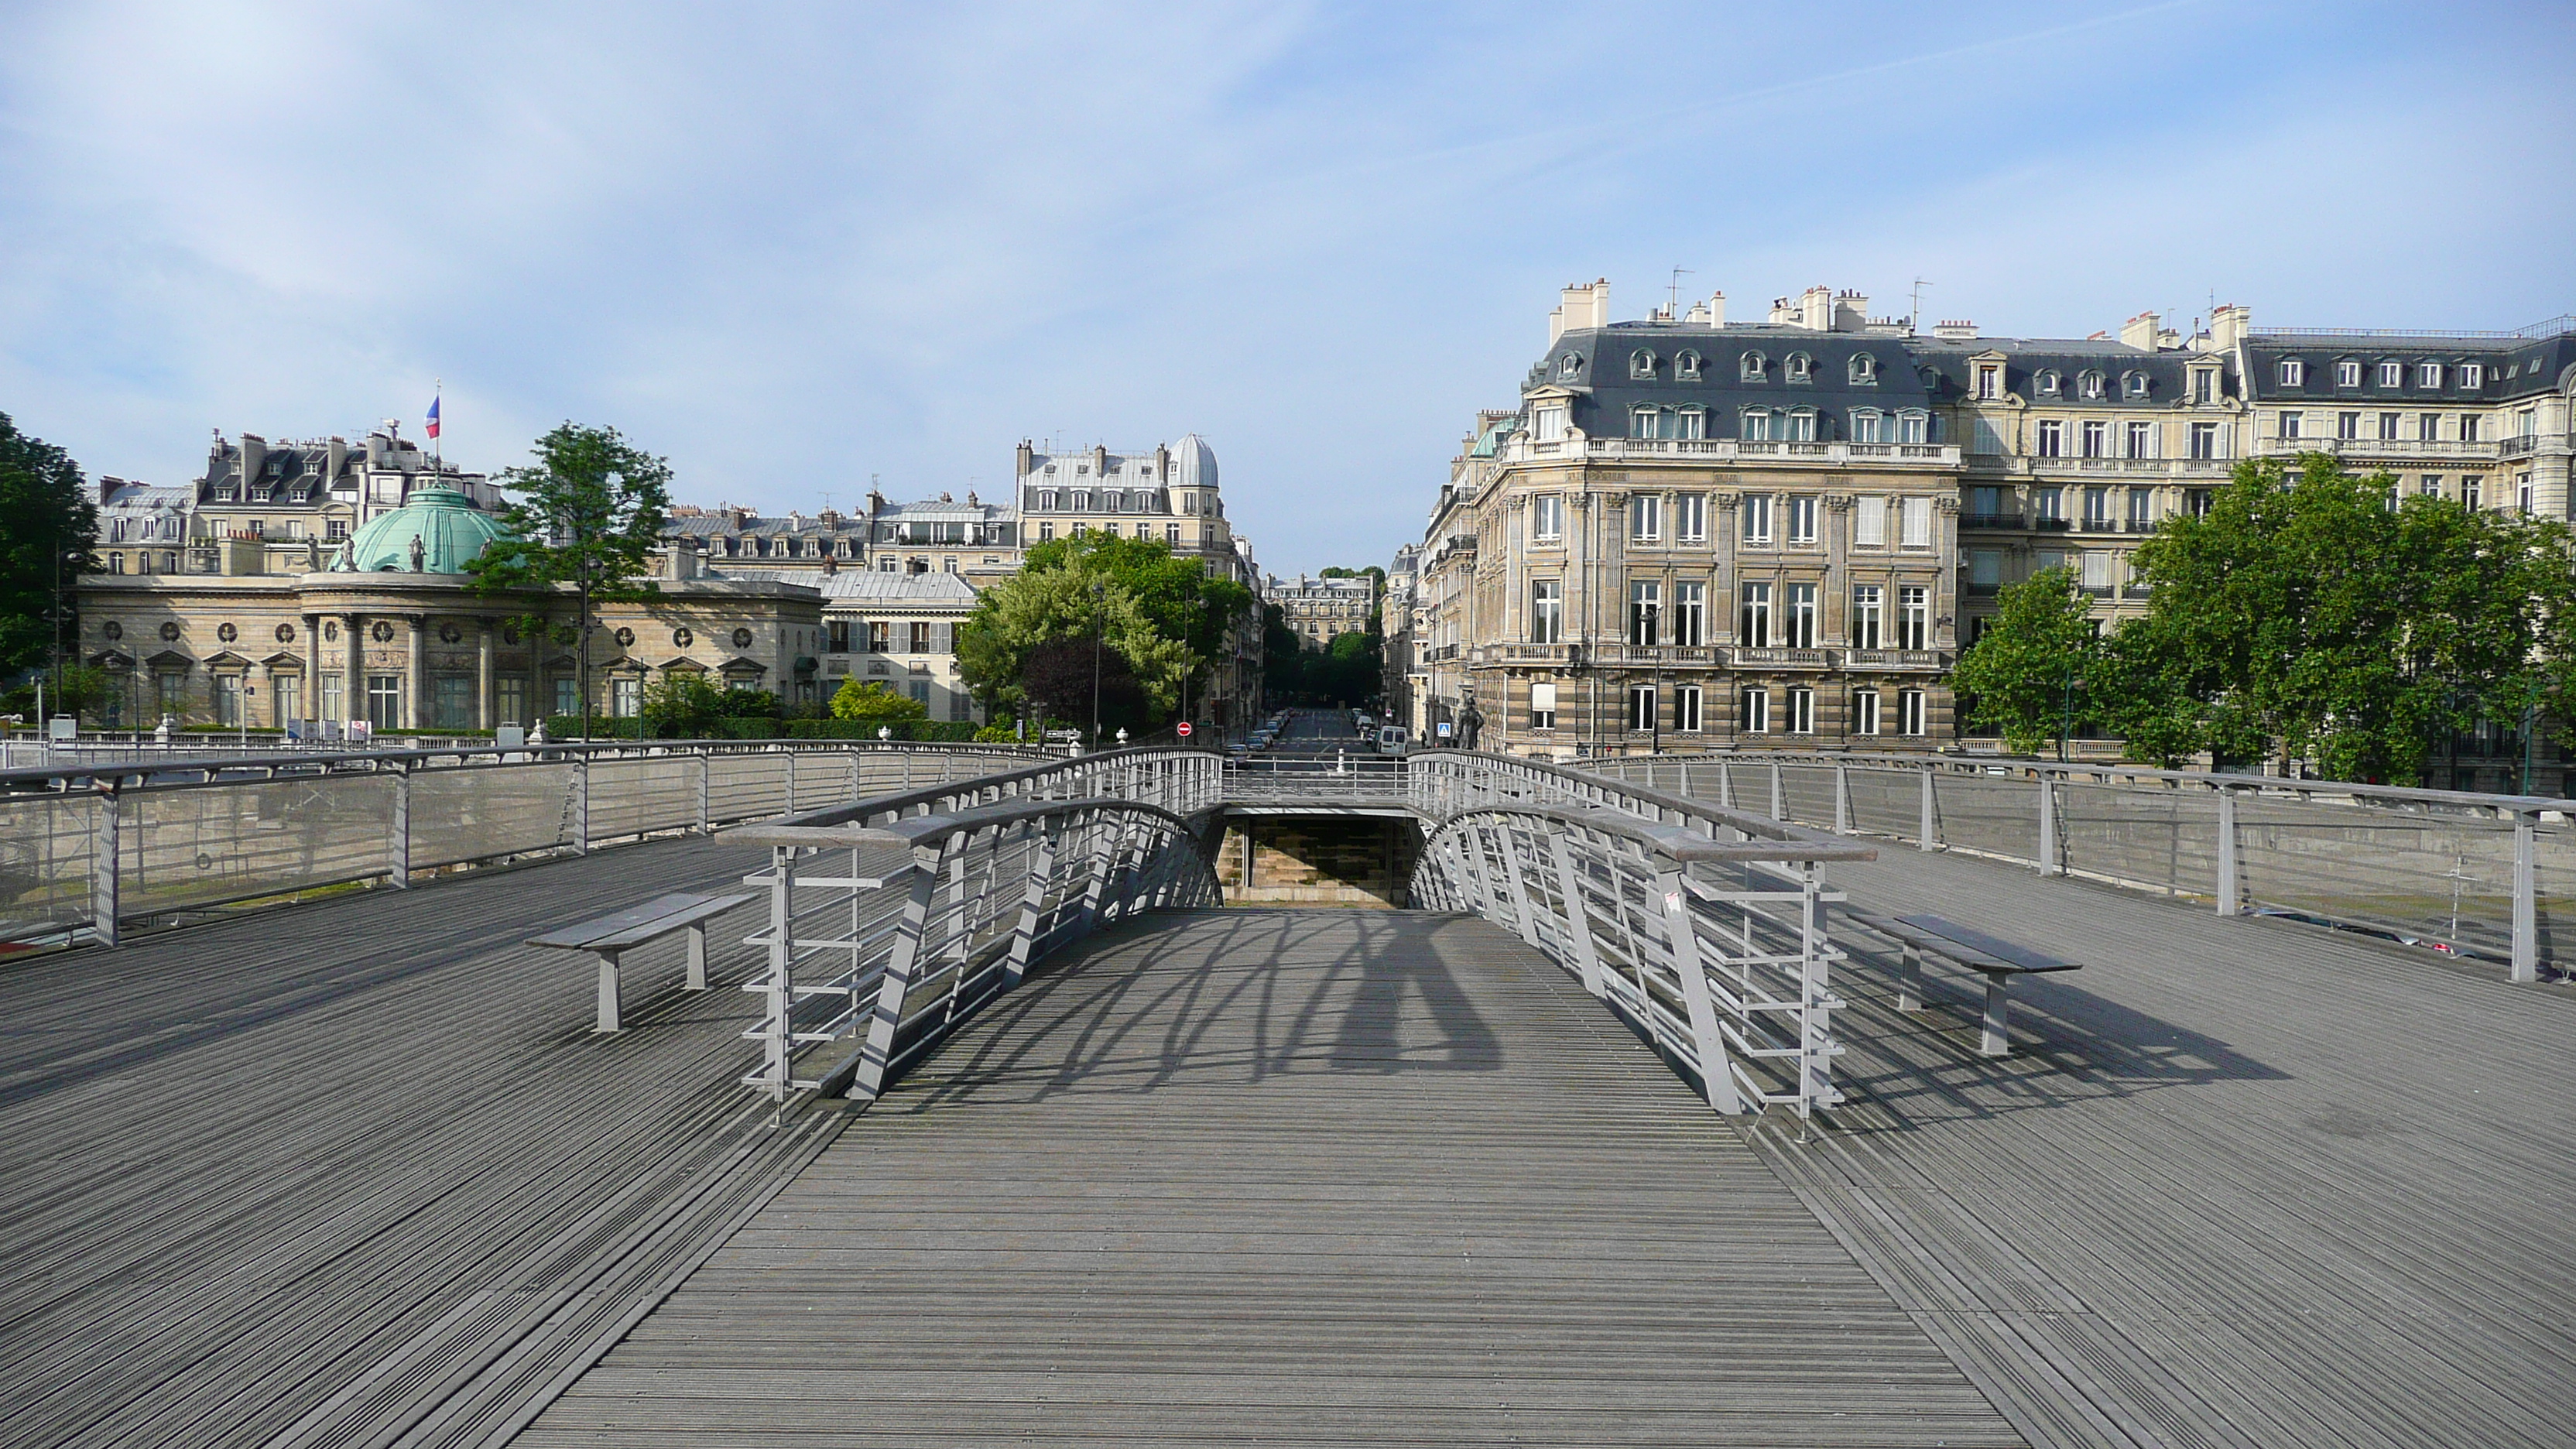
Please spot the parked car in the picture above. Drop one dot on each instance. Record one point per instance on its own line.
(1394, 740)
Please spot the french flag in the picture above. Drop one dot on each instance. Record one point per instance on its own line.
(433, 417)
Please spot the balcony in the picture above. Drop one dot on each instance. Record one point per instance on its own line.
(1723, 450)
(1904, 660)
(1662, 656)
(1539, 654)
(1990, 520)
(2098, 525)
(2408, 448)
(2052, 525)
(1782, 660)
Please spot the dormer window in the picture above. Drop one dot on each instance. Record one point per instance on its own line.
(1756, 425)
(1864, 369)
(1865, 424)
(2045, 384)
(1802, 425)
(2133, 384)
(1686, 367)
(2294, 373)
(1641, 363)
(2428, 374)
(1570, 365)
(1046, 501)
(1800, 367)
(2347, 373)
(2090, 384)
(1751, 366)
(2472, 374)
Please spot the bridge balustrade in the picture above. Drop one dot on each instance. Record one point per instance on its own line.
(89, 848)
(2472, 874)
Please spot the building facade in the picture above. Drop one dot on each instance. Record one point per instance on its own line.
(1697, 533)
(898, 628)
(1318, 609)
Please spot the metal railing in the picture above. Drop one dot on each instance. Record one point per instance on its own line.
(2472, 874)
(86, 849)
(991, 874)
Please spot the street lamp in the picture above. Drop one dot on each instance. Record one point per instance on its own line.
(1655, 674)
(1098, 628)
(54, 648)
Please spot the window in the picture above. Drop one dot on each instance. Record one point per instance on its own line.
(2097, 507)
(2133, 384)
(919, 639)
(1757, 518)
(1755, 425)
(336, 529)
(2045, 383)
(1547, 612)
(1989, 379)
(1570, 365)
(1645, 613)
(1690, 517)
(2048, 505)
(1757, 711)
(2428, 374)
(2142, 440)
(2052, 439)
(2428, 427)
(1547, 517)
(1802, 426)
(2290, 424)
(2089, 385)
(2097, 440)
(1913, 617)
(1645, 517)
(451, 702)
(1543, 705)
(2097, 570)
(1690, 614)
(2294, 373)
(1686, 366)
(1641, 422)
(880, 637)
(2388, 425)
(1869, 521)
(1909, 712)
(1802, 711)
(1866, 424)
(2204, 385)
(1802, 518)
(1046, 532)
(1692, 423)
(1914, 427)
(2472, 374)
(1866, 604)
(567, 696)
(384, 701)
(228, 699)
(1801, 367)
(1917, 521)
(2522, 493)
(1686, 709)
(1798, 617)
(1753, 629)
(839, 631)
(2430, 485)
(1641, 707)
(1864, 370)
(2347, 374)
(1750, 366)
(2469, 427)
(1641, 363)
(919, 689)
(1548, 424)
(2204, 440)
(1864, 711)
(2392, 374)
(2472, 492)
(2141, 509)
(2347, 425)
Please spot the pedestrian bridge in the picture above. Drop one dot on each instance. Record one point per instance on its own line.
(995, 1127)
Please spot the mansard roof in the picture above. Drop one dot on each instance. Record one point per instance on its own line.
(2513, 365)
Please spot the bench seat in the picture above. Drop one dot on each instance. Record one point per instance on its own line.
(1998, 960)
(606, 937)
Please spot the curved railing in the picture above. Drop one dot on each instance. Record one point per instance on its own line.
(993, 873)
(1705, 930)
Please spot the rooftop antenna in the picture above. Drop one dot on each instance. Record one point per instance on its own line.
(1914, 323)
(1673, 298)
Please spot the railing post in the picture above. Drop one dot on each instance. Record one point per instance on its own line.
(1527, 918)
(581, 804)
(852, 757)
(791, 780)
(104, 907)
(2227, 892)
(1681, 933)
(1779, 797)
(1578, 914)
(2526, 899)
(901, 966)
(778, 993)
(1929, 827)
(1725, 785)
(2048, 863)
(398, 845)
(706, 791)
(1842, 797)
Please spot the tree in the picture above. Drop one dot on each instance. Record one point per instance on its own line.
(1163, 618)
(48, 527)
(2021, 671)
(590, 515)
(682, 704)
(859, 700)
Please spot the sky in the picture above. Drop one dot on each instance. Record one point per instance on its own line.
(799, 248)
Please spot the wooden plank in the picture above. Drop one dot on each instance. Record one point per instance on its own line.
(597, 930)
(2004, 955)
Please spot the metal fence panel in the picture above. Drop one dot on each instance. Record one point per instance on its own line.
(203, 845)
(481, 814)
(634, 795)
(2163, 840)
(1807, 794)
(48, 846)
(1887, 802)
(748, 787)
(1995, 814)
(2420, 875)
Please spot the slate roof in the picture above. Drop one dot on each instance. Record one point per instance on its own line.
(2514, 367)
(878, 586)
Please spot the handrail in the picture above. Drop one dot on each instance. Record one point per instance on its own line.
(315, 762)
(1476, 767)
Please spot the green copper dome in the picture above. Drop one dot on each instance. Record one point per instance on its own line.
(446, 525)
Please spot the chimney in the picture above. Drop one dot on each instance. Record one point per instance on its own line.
(1028, 458)
(107, 487)
(944, 498)
(2140, 332)
(1816, 309)
(1851, 312)
(1099, 460)
(2229, 324)
(1782, 314)
(254, 452)
(1956, 331)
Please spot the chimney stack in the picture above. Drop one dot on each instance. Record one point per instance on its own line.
(1956, 331)
(2229, 324)
(2140, 332)
(1851, 312)
(1816, 309)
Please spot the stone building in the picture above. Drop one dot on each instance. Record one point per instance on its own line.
(1693, 532)
(395, 636)
(976, 540)
(898, 628)
(1318, 609)
(1168, 492)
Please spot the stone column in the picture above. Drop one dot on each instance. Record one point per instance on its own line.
(353, 684)
(416, 685)
(483, 717)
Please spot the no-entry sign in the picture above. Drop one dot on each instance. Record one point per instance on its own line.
(1184, 728)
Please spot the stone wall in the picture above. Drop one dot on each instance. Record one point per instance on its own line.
(1318, 861)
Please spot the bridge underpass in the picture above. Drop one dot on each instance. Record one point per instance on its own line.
(2243, 1183)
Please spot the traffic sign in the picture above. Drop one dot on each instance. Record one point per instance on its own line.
(1184, 728)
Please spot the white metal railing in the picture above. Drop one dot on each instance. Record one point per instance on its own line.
(1706, 928)
(2468, 873)
(86, 849)
(988, 876)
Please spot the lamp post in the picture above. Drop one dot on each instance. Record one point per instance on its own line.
(1097, 629)
(1655, 676)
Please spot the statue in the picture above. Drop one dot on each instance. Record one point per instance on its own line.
(419, 553)
(347, 562)
(1469, 722)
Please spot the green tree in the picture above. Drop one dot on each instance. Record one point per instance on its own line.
(2020, 672)
(682, 705)
(48, 526)
(1163, 617)
(589, 515)
(872, 701)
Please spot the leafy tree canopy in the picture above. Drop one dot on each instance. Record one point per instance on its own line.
(2021, 673)
(871, 700)
(45, 513)
(1177, 595)
(1164, 617)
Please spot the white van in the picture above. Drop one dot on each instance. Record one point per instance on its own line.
(1394, 740)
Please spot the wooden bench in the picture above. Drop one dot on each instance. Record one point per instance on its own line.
(1998, 960)
(611, 934)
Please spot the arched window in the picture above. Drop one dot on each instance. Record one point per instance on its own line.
(2134, 384)
(1800, 367)
(2090, 384)
(1570, 365)
(1641, 363)
(1046, 501)
(1755, 425)
(1750, 366)
(1864, 369)
(2046, 382)
(1686, 366)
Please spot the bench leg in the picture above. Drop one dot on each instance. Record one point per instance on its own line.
(1909, 982)
(608, 993)
(698, 957)
(1996, 1042)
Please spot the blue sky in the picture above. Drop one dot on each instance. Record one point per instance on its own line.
(795, 247)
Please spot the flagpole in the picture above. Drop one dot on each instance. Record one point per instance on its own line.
(438, 445)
